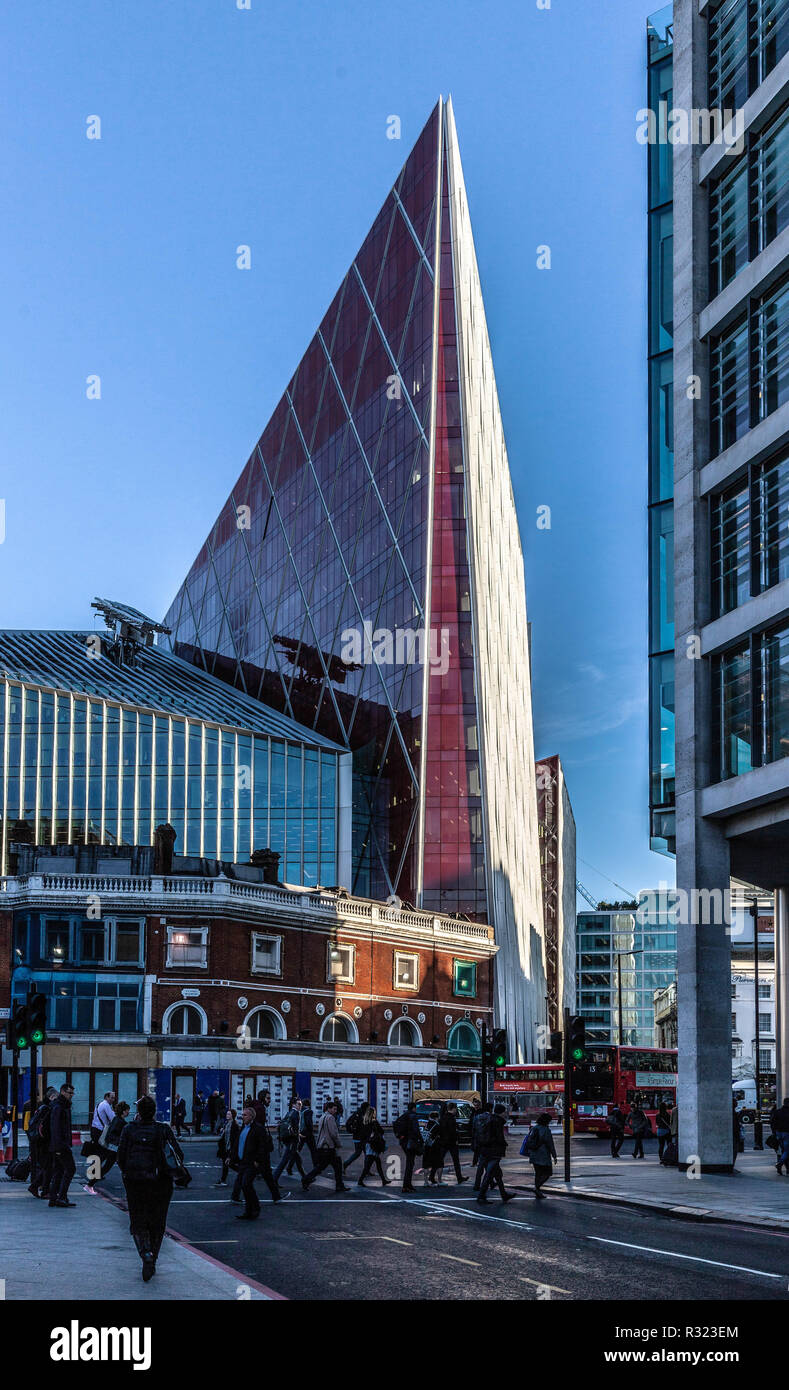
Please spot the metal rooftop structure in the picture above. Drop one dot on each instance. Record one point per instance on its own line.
(156, 680)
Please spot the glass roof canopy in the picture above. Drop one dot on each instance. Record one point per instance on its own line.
(157, 681)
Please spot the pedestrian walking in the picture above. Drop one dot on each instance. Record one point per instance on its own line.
(261, 1108)
(782, 1135)
(492, 1152)
(289, 1139)
(355, 1127)
(179, 1115)
(214, 1112)
(63, 1165)
(148, 1180)
(663, 1127)
(448, 1125)
(307, 1132)
(639, 1126)
(480, 1132)
(249, 1156)
(38, 1140)
(225, 1146)
(329, 1146)
(107, 1152)
(407, 1131)
(374, 1141)
(198, 1106)
(103, 1115)
(540, 1150)
(616, 1130)
(431, 1160)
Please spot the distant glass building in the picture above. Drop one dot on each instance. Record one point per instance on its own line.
(661, 443)
(623, 957)
(365, 576)
(100, 743)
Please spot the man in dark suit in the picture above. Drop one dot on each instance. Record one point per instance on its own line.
(249, 1155)
(63, 1165)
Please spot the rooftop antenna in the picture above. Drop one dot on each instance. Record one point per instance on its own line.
(130, 629)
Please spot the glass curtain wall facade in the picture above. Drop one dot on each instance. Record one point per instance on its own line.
(623, 956)
(378, 551)
(78, 767)
(661, 447)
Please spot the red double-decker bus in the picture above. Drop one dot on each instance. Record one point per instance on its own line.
(608, 1076)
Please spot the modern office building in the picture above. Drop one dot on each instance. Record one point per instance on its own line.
(104, 736)
(185, 975)
(557, 862)
(365, 577)
(624, 955)
(730, 183)
(662, 831)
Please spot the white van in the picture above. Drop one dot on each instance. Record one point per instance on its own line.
(744, 1092)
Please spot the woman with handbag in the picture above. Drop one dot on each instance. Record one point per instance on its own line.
(374, 1145)
(225, 1145)
(150, 1159)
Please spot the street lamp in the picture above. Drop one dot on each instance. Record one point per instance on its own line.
(758, 1133)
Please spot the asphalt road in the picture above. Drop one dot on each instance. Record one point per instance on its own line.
(378, 1244)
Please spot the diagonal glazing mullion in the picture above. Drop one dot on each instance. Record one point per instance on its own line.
(366, 462)
(409, 224)
(340, 721)
(390, 354)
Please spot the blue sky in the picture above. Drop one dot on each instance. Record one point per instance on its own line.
(267, 127)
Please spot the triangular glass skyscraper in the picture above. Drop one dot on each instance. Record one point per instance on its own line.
(376, 508)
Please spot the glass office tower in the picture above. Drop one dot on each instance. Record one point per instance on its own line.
(662, 828)
(366, 577)
(623, 957)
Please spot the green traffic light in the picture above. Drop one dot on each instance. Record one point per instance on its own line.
(21, 1043)
(500, 1061)
(578, 1054)
(38, 1036)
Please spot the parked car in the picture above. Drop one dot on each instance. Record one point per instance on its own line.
(428, 1102)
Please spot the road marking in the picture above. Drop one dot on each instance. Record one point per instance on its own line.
(216, 1242)
(541, 1284)
(675, 1255)
(458, 1258)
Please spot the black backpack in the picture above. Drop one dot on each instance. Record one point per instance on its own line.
(400, 1126)
(286, 1134)
(144, 1154)
(482, 1128)
(38, 1127)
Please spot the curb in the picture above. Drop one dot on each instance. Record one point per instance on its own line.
(678, 1213)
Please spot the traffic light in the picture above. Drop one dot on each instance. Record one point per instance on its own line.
(37, 1019)
(498, 1047)
(577, 1040)
(18, 1036)
(554, 1053)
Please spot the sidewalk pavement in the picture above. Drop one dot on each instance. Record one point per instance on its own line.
(101, 1263)
(754, 1194)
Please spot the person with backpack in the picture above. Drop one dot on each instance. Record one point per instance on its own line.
(431, 1161)
(148, 1180)
(540, 1150)
(480, 1133)
(374, 1145)
(616, 1130)
(224, 1147)
(289, 1139)
(38, 1140)
(407, 1131)
(307, 1132)
(449, 1140)
(492, 1151)
(63, 1165)
(329, 1146)
(355, 1127)
(639, 1126)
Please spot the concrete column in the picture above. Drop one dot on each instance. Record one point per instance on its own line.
(704, 952)
(781, 993)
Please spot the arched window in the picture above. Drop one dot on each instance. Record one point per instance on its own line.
(339, 1028)
(464, 1038)
(404, 1033)
(265, 1023)
(185, 1020)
